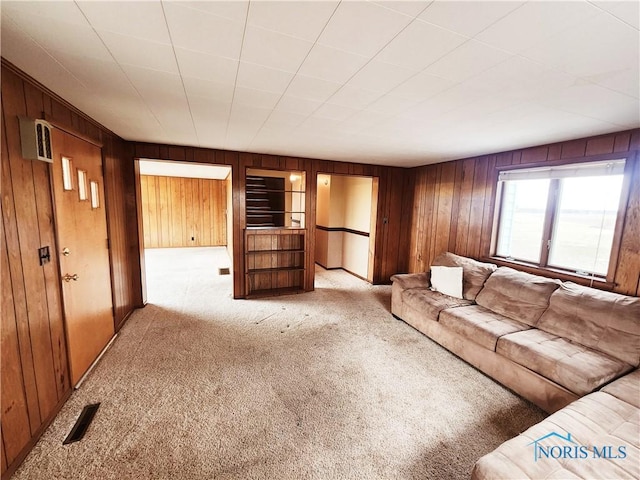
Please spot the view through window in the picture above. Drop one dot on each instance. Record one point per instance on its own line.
(561, 217)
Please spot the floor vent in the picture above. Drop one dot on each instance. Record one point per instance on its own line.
(223, 271)
(82, 424)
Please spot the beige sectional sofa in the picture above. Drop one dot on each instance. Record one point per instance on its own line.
(549, 341)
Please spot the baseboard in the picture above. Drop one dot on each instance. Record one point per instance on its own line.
(344, 270)
(36, 436)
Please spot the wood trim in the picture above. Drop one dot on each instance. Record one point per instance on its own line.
(56, 124)
(564, 161)
(552, 273)
(342, 229)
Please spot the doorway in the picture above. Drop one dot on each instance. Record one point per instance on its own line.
(346, 210)
(78, 188)
(186, 214)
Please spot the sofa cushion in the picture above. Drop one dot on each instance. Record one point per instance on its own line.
(574, 366)
(411, 280)
(595, 420)
(474, 273)
(430, 302)
(605, 321)
(480, 324)
(518, 295)
(626, 388)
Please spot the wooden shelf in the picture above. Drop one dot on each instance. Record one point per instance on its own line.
(272, 292)
(253, 271)
(275, 261)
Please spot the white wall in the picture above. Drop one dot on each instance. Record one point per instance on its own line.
(343, 202)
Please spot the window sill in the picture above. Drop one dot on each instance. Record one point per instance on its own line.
(563, 275)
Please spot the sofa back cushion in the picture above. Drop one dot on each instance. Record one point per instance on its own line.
(605, 321)
(518, 295)
(474, 273)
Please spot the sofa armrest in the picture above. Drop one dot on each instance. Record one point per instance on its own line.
(412, 280)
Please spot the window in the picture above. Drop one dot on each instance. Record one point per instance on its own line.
(82, 185)
(562, 217)
(67, 179)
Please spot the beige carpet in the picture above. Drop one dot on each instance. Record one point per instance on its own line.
(323, 385)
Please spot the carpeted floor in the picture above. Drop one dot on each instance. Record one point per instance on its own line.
(322, 385)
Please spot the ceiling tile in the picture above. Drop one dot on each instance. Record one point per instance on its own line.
(350, 96)
(263, 78)
(533, 22)
(67, 12)
(134, 19)
(467, 17)
(209, 110)
(362, 28)
(392, 104)
(203, 32)
(208, 67)
(220, 92)
(274, 50)
(331, 64)
(411, 7)
(256, 98)
(23, 52)
(451, 99)
(303, 20)
(380, 76)
(422, 86)
(233, 10)
(60, 35)
(627, 11)
(596, 102)
(312, 88)
(301, 106)
(280, 119)
(596, 58)
(362, 120)
(408, 48)
(466, 61)
(153, 84)
(335, 112)
(247, 118)
(136, 51)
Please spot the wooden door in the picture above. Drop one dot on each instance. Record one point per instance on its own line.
(84, 255)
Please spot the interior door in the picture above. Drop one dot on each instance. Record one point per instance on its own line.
(84, 255)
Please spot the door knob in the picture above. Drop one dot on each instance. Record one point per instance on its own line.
(66, 251)
(68, 278)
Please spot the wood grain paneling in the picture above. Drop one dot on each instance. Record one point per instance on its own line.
(395, 197)
(183, 212)
(33, 343)
(454, 202)
(34, 366)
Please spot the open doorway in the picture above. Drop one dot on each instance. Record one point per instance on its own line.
(187, 226)
(346, 208)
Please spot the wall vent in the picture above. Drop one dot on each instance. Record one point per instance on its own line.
(35, 136)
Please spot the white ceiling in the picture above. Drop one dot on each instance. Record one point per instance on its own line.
(393, 82)
(183, 169)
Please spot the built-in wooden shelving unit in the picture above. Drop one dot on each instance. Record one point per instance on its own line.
(274, 261)
(275, 246)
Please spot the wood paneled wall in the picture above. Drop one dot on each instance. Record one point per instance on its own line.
(35, 380)
(183, 212)
(454, 202)
(395, 197)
